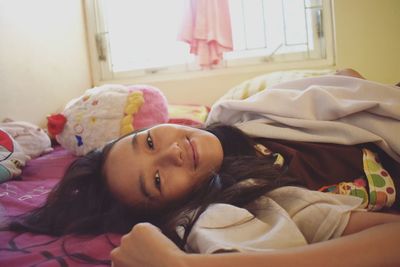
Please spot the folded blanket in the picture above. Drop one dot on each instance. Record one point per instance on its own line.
(328, 109)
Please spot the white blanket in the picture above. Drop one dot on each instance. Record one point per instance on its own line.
(329, 109)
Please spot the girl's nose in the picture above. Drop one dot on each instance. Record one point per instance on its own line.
(173, 155)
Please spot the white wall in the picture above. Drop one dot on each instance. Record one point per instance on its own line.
(43, 57)
(368, 37)
(44, 60)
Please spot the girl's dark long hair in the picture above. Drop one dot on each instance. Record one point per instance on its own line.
(83, 204)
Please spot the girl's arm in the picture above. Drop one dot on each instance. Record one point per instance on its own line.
(349, 72)
(372, 239)
(362, 220)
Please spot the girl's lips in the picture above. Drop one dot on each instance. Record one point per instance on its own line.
(195, 153)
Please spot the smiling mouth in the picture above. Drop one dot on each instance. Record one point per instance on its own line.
(194, 153)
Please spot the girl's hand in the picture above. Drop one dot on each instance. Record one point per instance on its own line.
(349, 72)
(145, 245)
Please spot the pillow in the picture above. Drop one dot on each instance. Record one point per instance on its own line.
(107, 112)
(191, 115)
(260, 83)
(33, 140)
(12, 158)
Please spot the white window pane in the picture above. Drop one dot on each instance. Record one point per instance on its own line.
(238, 30)
(254, 24)
(143, 34)
(295, 22)
(274, 23)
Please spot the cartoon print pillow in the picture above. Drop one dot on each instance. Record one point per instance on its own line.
(104, 113)
(12, 158)
(33, 140)
(191, 115)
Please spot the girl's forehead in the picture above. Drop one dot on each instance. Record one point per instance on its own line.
(123, 168)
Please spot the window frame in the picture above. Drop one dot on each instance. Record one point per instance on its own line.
(102, 70)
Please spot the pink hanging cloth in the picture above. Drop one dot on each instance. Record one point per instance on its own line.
(206, 27)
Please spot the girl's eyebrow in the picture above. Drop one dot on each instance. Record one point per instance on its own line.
(134, 141)
(142, 186)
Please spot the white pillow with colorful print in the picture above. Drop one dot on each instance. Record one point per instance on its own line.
(12, 158)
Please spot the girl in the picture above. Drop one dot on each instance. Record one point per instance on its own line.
(169, 175)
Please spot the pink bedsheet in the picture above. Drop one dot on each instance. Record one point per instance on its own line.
(27, 249)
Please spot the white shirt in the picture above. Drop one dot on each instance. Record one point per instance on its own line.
(285, 217)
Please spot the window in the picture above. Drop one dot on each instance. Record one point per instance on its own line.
(131, 38)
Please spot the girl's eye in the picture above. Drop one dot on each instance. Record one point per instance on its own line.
(149, 141)
(157, 181)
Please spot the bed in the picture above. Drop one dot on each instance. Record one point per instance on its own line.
(41, 174)
(27, 249)
(31, 188)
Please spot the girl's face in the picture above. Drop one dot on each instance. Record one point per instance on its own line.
(162, 164)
